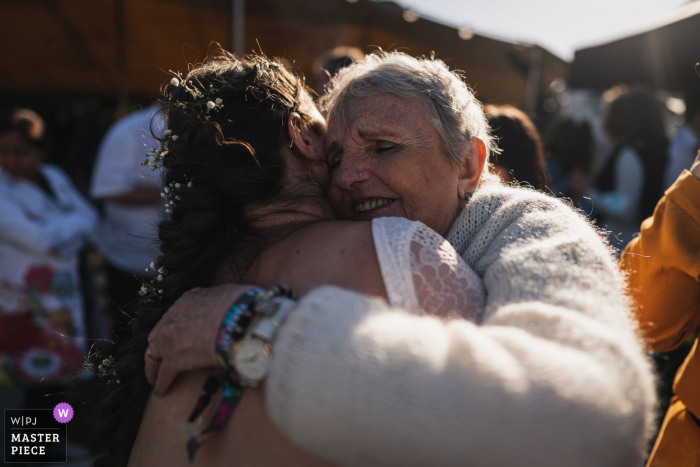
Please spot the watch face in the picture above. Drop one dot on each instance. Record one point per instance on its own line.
(252, 360)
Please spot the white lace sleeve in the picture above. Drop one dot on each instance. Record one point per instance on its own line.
(422, 272)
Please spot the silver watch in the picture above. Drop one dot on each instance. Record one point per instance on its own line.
(252, 355)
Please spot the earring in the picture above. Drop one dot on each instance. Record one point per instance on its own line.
(291, 142)
(468, 197)
(312, 178)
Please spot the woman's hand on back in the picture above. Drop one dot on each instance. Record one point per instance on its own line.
(185, 336)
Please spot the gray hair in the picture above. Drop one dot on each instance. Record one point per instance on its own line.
(458, 115)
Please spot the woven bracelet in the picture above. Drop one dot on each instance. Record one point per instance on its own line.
(235, 325)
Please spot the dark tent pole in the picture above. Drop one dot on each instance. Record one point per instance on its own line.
(238, 26)
(534, 78)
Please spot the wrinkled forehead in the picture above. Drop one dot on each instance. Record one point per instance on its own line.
(384, 113)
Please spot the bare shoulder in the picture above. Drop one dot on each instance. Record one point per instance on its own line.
(338, 253)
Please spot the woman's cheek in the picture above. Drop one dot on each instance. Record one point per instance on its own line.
(338, 200)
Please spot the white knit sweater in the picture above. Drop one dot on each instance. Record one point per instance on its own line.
(554, 375)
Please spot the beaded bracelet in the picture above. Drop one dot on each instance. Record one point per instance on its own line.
(235, 324)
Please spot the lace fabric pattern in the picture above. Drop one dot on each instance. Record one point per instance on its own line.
(423, 273)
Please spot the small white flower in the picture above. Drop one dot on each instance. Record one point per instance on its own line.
(168, 210)
(175, 137)
(166, 189)
(162, 195)
(177, 185)
(148, 269)
(153, 265)
(210, 105)
(219, 101)
(167, 133)
(161, 270)
(175, 82)
(160, 277)
(118, 382)
(189, 185)
(160, 292)
(178, 198)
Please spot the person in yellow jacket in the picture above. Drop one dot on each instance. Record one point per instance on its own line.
(663, 266)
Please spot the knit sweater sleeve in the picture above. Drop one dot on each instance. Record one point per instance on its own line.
(553, 376)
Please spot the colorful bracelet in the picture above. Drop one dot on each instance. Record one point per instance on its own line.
(235, 324)
(272, 306)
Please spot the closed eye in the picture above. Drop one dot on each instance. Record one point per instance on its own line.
(385, 146)
(334, 163)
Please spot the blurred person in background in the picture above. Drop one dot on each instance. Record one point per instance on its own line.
(521, 157)
(44, 223)
(631, 182)
(686, 144)
(569, 157)
(663, 267)
(330, 63)
(130, 195)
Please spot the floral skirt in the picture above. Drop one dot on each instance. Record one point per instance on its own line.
(41, 329)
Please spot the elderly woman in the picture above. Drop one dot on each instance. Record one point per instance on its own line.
(552, 375)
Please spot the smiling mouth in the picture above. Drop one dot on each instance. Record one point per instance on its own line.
(372, 204)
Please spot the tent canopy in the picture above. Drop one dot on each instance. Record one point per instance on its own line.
(126, 47)
(663, 57)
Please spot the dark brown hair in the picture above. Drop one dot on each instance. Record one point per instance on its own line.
(571, 144)
(28, 123)
(634, 119)
(519, 143)
(234, 159)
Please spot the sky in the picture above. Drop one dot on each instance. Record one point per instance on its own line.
(560, 26)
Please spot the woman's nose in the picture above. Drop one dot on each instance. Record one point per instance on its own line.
(350, 174)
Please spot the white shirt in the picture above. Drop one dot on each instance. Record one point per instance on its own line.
(40, 237)
(128, 235)
(681, 154)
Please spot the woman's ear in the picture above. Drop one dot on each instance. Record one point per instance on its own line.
(470, 172)
(304, 141)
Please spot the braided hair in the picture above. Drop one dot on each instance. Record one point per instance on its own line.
(227, 126)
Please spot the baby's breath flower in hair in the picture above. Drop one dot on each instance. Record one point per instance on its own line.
(106, 370)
